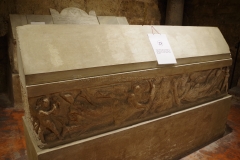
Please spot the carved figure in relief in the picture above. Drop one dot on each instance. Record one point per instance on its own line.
(164, 95)
(181, 87)
(207, 85)
(142, 98)
(44, 111)
(197, 85)
(225, 82)
(213, 82)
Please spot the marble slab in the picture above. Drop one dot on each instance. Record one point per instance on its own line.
(112, 20)
(125, 48)
(122, 20)
(73, 15)
(107, 20)
(40, 18)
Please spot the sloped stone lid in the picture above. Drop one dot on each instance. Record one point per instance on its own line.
(53, 53)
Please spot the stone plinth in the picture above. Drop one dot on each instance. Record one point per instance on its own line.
(165, 138)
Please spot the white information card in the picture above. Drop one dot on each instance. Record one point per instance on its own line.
(162, 49)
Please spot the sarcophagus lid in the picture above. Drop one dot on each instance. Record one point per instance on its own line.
(52, 53)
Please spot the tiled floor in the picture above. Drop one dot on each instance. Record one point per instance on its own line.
(12, 142)
(13, 147)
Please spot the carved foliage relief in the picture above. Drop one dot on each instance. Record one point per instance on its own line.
(67, 115)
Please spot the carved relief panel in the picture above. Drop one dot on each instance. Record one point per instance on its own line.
(77, 114)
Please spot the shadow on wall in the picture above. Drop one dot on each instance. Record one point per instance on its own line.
(223, 14)
(3, 64)
(162, 5)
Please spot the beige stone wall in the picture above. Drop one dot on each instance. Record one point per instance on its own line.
(223, 14)
(137, 11)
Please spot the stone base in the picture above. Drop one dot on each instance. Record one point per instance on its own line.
(168, 137)
(15, 91)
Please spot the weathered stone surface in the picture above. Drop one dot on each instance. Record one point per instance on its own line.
(150, 13)
(112, 20)
(17, 92)
(107, 20)
(12, 53)
(122, 20)
(47, 19)
(142, 12)
(88, 111)
(165, 138)
(15, 21)
(73, 15)
(104, 8)
(152, 17)
(137, 11)
(14, 87)
(189, 44)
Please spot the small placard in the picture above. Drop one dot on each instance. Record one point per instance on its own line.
(37, 23)
(162, 49)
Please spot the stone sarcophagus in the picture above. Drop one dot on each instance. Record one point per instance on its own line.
(97, 92)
